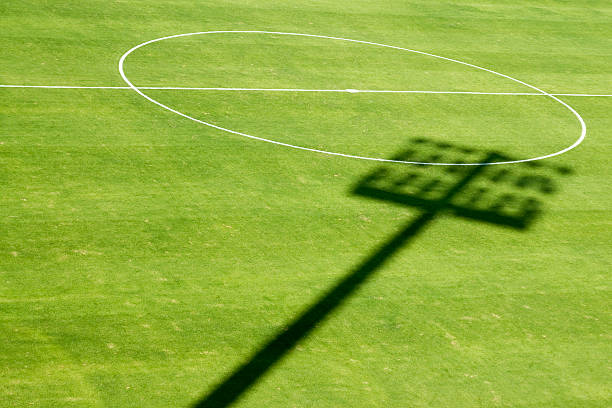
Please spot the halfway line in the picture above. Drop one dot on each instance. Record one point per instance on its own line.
(176, 88)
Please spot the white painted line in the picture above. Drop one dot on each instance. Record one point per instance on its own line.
(63, 87)
(574, 94)
(583, 127)
(180, 88)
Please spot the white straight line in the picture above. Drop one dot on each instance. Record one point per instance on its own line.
(178, 88)
(63, 87)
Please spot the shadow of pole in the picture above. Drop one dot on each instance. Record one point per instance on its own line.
(447, 200)
(246, 375)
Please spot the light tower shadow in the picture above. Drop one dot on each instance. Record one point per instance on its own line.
(505, 195)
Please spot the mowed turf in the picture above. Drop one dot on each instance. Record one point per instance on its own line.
(144, 257)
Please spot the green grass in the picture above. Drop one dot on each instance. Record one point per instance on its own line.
(143, 256)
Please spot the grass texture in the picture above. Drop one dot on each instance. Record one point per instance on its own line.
(144, 257)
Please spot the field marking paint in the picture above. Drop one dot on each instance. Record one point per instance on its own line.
(182, 88)
(135, 88)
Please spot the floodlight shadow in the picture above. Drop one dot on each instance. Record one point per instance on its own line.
(433, 195)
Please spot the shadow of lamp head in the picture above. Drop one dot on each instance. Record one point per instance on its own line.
(508, 195)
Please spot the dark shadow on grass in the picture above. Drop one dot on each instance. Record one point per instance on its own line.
(503, 195)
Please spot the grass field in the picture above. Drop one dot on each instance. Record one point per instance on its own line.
(144, 257)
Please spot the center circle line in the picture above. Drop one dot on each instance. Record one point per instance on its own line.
(136, 89)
